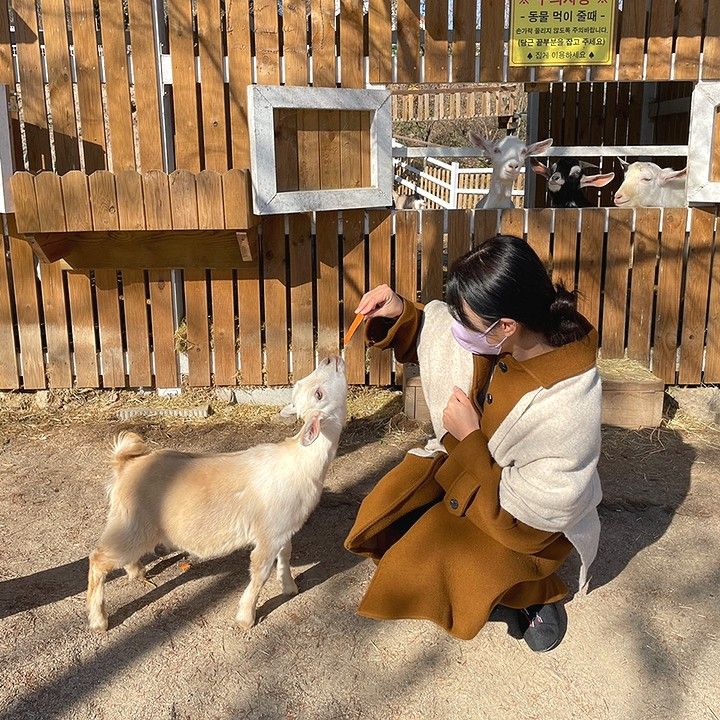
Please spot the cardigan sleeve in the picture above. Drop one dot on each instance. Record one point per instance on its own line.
(400, 334)
(471, 479)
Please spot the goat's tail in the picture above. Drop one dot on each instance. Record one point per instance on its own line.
(128, 445)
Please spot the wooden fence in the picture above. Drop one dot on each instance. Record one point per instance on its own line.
(650, 281)
(458, 104)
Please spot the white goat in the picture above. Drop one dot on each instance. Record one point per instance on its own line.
(408, 202)
(508, 156)
(211, 505)
(648, 185)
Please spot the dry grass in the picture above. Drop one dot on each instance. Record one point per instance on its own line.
(624, 369)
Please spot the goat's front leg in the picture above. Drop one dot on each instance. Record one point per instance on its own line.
(261, 562)
(283, 570)
(101, 563)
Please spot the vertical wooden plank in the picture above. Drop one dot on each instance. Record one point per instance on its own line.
(463, 48)
(26, 308)
(26, 207)
(431, 261)
(222, 340)
(697, 280)
(156, 191)
(267, 40)
(512, 222)
(240, 61)
(76, 200)
(591, 255)
(667, 311)
(569, 115)
(108, 309)
(212, 87)
(660, 37)
(687, 45)
(248, 293)
(491, 51)
(538, 233)
(459, 234)
(486, 226)
(211, 213)
(56, 329)
(287, 175)
(711, 47)
(62, 105)
(82, 324)
(130, 203)
(327, 283)
(351, 63)
(146, 84)
(9, 376)
(365, 150)
(711, 372)
(609, 164)
(185, 111)
(632, 40)
(30, 77)
(198, 334)
(604, 73)
(88, 84)
(616, 281)
(380, 224)
(295, 49)
(183, 200)
(323, 42)
(330, 149)
(122, 141)
(644, 261)
(436, 42)
(51, 212)
(379, 41)
(408, 41)
(301, 295)
(135, 308)
(308, 150)
(274, 284)
(163, 329)
(353, 257)
(103, 200)
(6, 70)
(565, 247)
(406, 263)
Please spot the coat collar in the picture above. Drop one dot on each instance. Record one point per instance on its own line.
(562, 363)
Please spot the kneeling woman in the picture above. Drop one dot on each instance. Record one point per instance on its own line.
(490, 521)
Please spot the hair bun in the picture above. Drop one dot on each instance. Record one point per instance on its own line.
(566, 323)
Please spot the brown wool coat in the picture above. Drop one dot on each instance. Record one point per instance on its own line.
(445, 550)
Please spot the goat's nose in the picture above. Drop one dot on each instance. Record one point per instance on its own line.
(328, 360)
(513, 165)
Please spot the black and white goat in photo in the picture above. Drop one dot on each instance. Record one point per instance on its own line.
(566, 177)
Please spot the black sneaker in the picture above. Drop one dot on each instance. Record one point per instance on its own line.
(543, 627)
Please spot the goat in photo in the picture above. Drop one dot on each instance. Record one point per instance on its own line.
(648, 185)
(566, 177)
(213, 504)
(508, 157)
(408, 202)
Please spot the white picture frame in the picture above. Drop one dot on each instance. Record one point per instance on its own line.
(264, 99)
(700, 188)
(6, 156)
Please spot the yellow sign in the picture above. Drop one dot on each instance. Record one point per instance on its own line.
(561, 32)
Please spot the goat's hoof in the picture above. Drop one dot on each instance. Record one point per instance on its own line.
(290, 588)
(245, 622)
(148, 581)
(99, 625)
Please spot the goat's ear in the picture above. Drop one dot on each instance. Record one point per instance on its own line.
(479, 141)
(538, 147)
(667, 174)
(596, 180)
(310, 430)
(623, 164)
(539, 168)
(288, 411)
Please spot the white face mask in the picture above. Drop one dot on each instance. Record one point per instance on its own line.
(474, 341)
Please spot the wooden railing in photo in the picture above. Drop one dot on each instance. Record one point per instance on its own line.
(647, 278)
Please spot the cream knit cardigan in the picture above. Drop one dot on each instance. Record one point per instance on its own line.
(548, 446)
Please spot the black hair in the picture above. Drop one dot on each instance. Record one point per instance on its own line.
(504, 277)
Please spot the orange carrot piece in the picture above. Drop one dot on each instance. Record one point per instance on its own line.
(355, 325)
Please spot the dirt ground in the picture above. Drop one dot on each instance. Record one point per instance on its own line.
(642, 644)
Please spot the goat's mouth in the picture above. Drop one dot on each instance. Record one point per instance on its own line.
(554, 187)
(620, 203)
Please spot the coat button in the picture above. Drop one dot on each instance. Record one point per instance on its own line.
(454, 504)
(489, 399)
(502, 366)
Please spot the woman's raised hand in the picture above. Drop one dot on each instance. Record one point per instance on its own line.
(381, 301)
